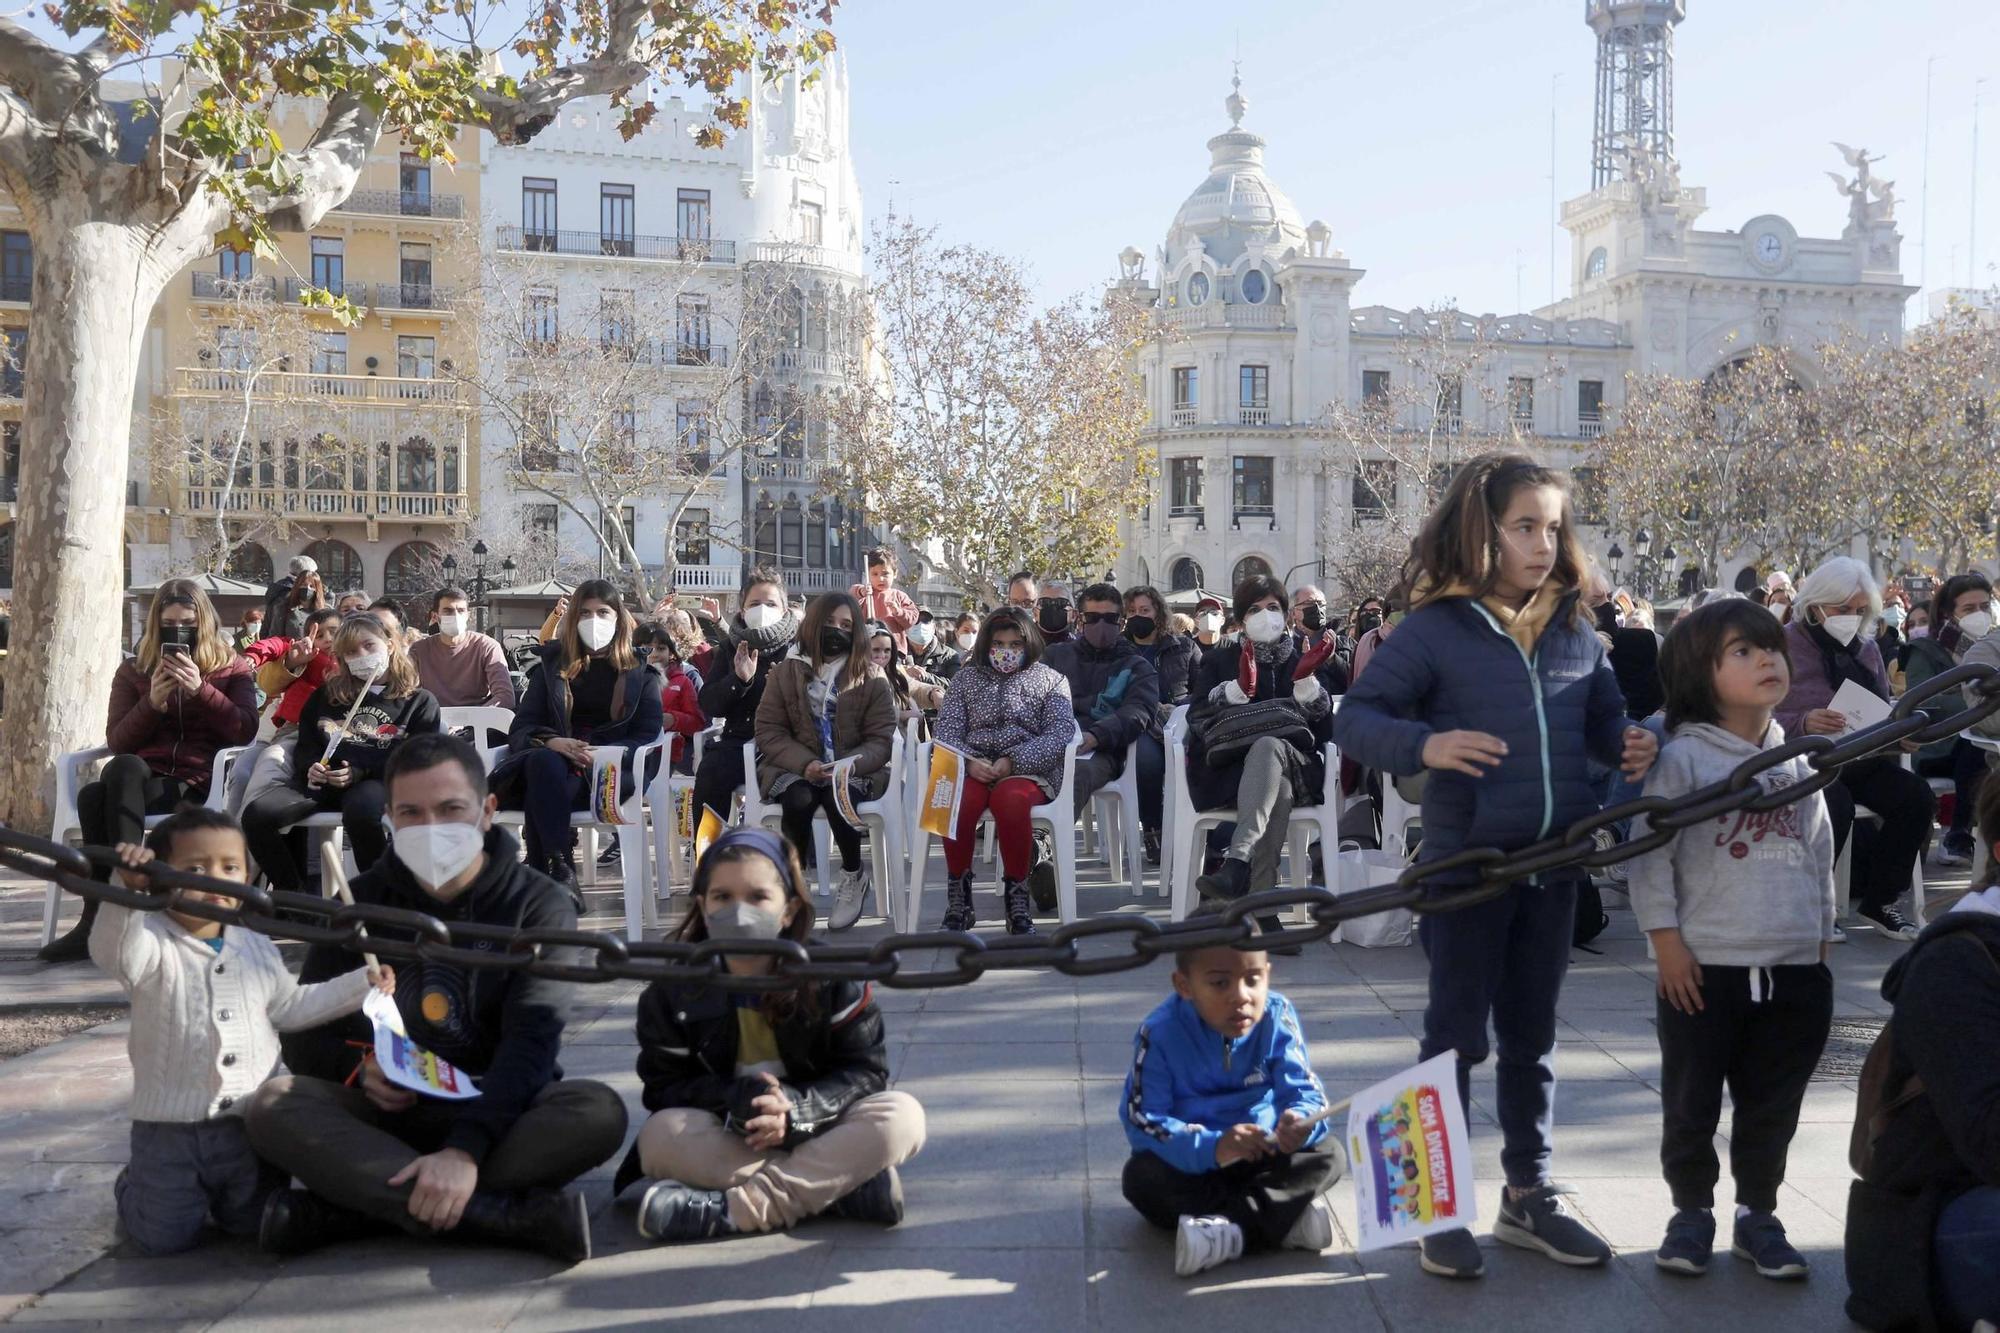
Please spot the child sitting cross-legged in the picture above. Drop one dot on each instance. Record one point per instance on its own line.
(1216, 1108)
(208, 1003)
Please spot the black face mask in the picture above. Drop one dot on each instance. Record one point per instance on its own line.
(1139, 627)
(834, 641)
(1607, 617)
(1313, 616)
(1053, 617)
(1367, 621)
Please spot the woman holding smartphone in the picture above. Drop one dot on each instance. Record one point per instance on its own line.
(181, 697)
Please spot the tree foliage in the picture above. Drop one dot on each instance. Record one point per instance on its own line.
(995, 436)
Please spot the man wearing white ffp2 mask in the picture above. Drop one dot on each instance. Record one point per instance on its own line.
(462, 668)
(417, 1162)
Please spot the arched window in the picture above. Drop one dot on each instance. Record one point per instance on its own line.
(416, 467)
(816, 536)
(1183, 576)
(412, 571)
(794, 326)
(1247, 566)
(1255, 286)
(251, 563)
(764, 535)
(1746, 579)
(339, 565)
(791, 535)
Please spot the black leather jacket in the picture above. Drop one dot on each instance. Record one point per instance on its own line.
(687, 1057)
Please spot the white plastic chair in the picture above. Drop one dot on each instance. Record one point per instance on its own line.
(885, 819)
(70, 780)
(634, 863)
(664, 805)
(482, 718)
(1114, 811)
(1058, 816)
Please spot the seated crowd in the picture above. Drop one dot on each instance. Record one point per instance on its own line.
(1509, 689)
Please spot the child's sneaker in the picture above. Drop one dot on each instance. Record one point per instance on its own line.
(1314, 1229)
(1760, 1238)
(1204, 1242)
(1540, 1220)
(1689, 1243)
(1451, 1254)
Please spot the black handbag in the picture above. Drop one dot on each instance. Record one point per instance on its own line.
(1236, 727)
(1888, 1258)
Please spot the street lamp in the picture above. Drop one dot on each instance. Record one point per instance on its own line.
(1642, 543)
(1616, 555)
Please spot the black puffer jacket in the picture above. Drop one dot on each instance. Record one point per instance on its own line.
(832, 1050)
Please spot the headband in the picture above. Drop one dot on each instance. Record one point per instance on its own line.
(758, 839)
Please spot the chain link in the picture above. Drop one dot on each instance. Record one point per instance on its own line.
(402, 934)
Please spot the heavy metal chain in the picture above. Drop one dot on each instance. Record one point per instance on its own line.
(590, 956)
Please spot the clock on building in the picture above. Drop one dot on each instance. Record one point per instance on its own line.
(1768, 242)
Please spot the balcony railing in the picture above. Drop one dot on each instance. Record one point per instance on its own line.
(347, 388)
(211, 286)
(1183, 416)
(413, 296)
(681, 249)
(1253, 416)
(401, 506)
(17, 287)
(781, 469)
(809, 359)
(1186, 511)
(1590, 428)
(1217, 315)
(646, 351)
(813, 256)
(355, 292)
(706, 578)
(403, 204)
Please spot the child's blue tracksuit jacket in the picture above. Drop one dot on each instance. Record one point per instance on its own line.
(1190, 1084)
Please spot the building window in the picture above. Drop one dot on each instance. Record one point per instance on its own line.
(691, 538)
(330, 356)
(541, 318)
(1450, 407)
(816, 536)
(625, 427)
(616, 215)
(231, 266)
(1375, 389)
(617, 322)
(1254, 493)
(1374, 490)
(17, 265)
(250, 562)
(10, 460)
(1184, 493)
(411, 571)
(692, 430)
(329, 263)
(1249, 567)
(416, 467)
(1521, 401)
(691, 330)
(1254, 395)
(1187, 394)
(1599, 260)
(1183, 576)
(792, 428)
(413, 178)
(1587, 494)
(416, 357)
(791, 536)
(538, 213)
(1197, 288)
(545, 520)
(537, 413)
(812, 224)
(339, 564)
(1256, 286)
(1590, 408)
(13, 361)
(691, 223)
(414, 276)
(230, 351)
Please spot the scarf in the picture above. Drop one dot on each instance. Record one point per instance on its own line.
(1525, 626)
(777, 634)
(1256, 656)
(1844, 663)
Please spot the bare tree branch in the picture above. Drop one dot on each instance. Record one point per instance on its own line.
(621, 65)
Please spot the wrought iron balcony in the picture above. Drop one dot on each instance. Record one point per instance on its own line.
(403, 204)
(680, 249)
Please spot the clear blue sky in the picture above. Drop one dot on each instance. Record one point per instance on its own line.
(1061, 131)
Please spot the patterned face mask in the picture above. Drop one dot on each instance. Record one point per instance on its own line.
(1007, 661)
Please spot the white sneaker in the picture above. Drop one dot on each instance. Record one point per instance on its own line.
(1314, 1229)
(850, 893)
(1204, 1242)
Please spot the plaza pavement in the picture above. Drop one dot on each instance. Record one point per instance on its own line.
(1015, 1219)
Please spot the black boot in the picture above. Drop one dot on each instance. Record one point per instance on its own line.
(876, 1199)
(958, 914)
(296, 1221)
(1020, 912)
(551, 1222)
(563, 871)
(73, 947)
(1151, 839)
(671, 1211)
(1227, 882)
(1042, 875)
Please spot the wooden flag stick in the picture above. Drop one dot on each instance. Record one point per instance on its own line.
(336, 880)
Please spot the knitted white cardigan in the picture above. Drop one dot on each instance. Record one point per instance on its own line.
(205, 1025)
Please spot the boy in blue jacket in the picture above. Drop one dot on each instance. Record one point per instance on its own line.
(1217, 1108)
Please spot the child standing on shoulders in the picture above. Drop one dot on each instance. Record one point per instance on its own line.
(1496, 683)
(1216, 1109)
(208, 1003)
(1739, 911)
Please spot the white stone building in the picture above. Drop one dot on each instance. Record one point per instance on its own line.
(603, 215)
(1267, 332)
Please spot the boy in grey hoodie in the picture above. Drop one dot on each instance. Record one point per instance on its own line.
(1738, 912)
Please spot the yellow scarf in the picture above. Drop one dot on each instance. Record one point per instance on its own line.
(1525, 626)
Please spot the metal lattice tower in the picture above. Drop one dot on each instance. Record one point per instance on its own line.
(1635, 82)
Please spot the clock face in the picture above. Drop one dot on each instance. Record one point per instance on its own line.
(1770, 247)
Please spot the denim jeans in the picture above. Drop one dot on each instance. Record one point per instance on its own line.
(1964, 1246)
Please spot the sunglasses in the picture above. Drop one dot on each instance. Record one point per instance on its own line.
(1103, 617)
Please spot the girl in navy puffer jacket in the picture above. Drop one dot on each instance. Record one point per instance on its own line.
(1498, 686)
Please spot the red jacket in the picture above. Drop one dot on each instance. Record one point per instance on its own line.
(293, 701)
(681, 710)
(181, 742)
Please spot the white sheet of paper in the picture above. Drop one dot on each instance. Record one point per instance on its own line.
(1861, 707)
(407, 1064)
(1408, 1154)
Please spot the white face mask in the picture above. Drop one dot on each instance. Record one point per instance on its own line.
(597, 632)
(1209, 621)
(363, 665)
(437, 854)
(1976, 626)
(761, 616)
(965, 642)
(1842, 629)
(451, 624)
(1264, 626)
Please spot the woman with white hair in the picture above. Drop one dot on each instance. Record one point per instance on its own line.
(1829, 645)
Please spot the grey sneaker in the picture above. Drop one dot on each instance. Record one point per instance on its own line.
(1689, 1243)
(1540, 1220)
(1760, 1238)
(850, 894)
(1451, 1254)
(1314, 1229)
